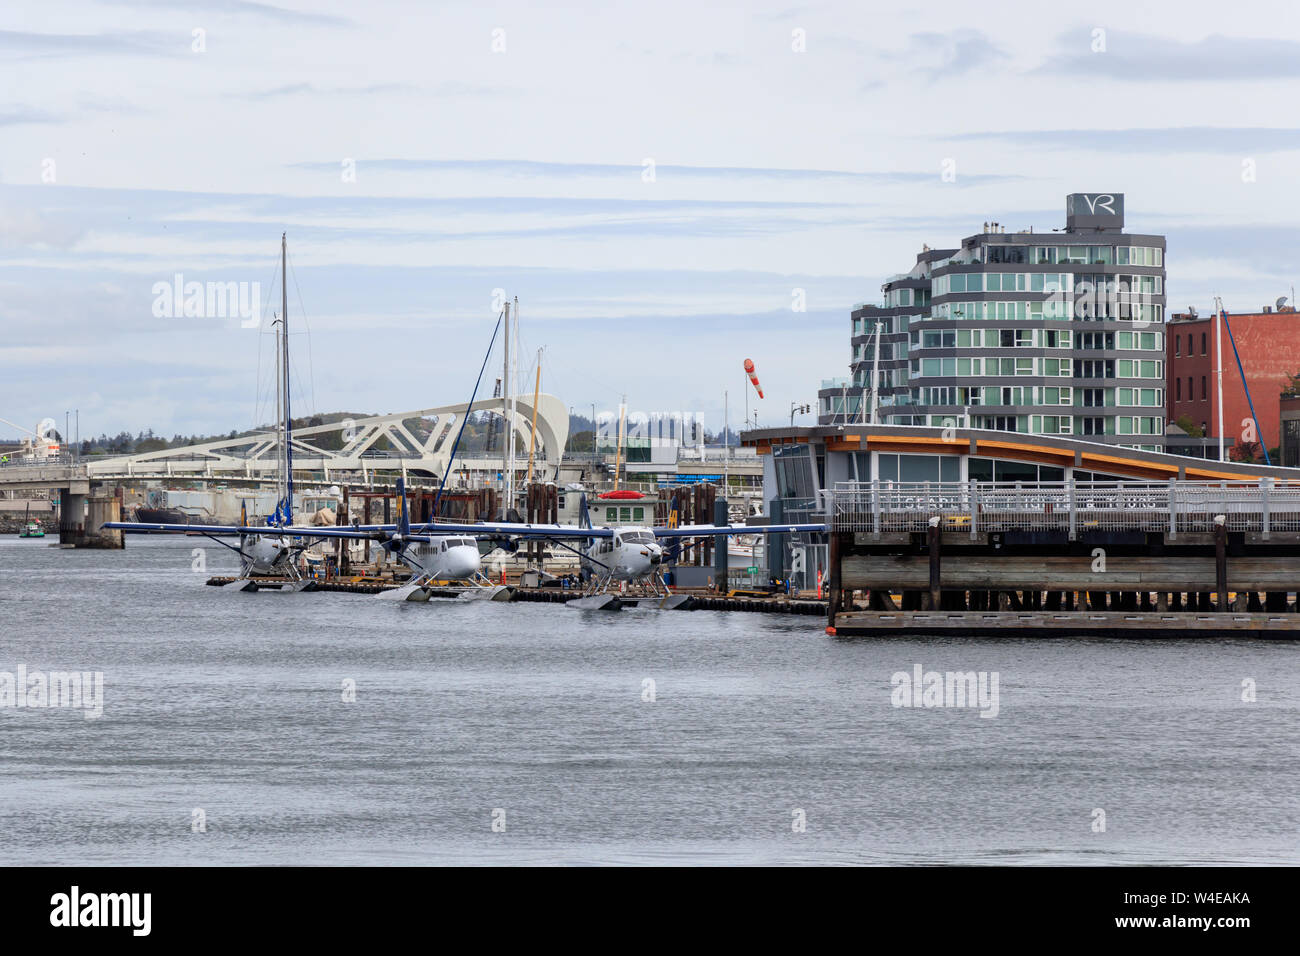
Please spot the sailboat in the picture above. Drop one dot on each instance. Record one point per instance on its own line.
(274, 549)
(274, 552)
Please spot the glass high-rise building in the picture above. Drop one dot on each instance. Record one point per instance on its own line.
(1056, 333)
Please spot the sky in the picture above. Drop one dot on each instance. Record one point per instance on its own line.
(660, 185)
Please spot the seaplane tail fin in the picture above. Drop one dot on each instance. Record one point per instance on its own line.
(243, 513)
(584, 516)
(403, 517)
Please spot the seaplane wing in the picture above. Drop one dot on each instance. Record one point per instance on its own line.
(498, 529)
(274, 531)
(210, 529)
(365, 533)
(705, 530)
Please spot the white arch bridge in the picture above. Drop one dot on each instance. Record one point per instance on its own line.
(254, 457)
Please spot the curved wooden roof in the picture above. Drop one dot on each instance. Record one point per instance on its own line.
(1012, 446)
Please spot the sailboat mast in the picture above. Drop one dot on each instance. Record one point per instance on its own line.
(514, 404)
(279, 415)
(507, 435)
(286, 457)
(532, 435)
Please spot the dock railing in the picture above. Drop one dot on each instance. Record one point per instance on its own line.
(1170, 507)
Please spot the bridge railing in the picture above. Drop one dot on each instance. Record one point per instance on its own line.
(11, 461)
(1169, 507)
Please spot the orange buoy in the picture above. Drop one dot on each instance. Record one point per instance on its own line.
(830, 631)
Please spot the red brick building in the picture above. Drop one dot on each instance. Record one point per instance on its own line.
(1269, 345)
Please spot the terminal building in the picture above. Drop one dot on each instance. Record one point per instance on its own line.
(804, 468)
(1058, 333)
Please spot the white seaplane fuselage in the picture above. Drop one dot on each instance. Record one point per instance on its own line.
(444, 558)
(632, 554)
(267, 553)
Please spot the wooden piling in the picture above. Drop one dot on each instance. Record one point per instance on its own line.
(934, 564)
(1221, 562)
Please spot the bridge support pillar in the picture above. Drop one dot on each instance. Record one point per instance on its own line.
(72, 517)
(100, 509)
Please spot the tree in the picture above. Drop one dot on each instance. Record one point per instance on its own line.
(1186, 424)
(1292, 388)
(1247, 452)
(582, 441)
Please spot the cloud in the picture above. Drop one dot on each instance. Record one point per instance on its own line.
(22, 116)
(952, 54)
(236, 7)
(311, 89)
(1238, 140)
(532, 168)
(20, 44)
(1144, 58)
(21, 228)
(446, 88)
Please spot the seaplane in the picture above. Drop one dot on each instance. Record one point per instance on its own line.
(273, 550)
(620, 566)
(630, 558)
(433, 553)
(270, 553)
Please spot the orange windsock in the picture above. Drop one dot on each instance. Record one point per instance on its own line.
(753, 378)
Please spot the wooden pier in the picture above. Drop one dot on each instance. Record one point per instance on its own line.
(1065, 624)
(1162, 558)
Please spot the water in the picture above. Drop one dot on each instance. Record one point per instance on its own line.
(232, 704)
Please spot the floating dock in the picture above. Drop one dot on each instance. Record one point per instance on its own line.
(679, 600)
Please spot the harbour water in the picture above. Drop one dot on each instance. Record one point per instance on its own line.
(233, 705)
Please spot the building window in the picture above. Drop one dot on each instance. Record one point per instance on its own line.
(1202, 388)
(1203, 352)
(1178, 345)
(1179, 396)
(1191, 392)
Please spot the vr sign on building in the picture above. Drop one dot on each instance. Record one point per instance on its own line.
(1094, 211)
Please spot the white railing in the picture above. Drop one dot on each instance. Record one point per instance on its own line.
(978, 507)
